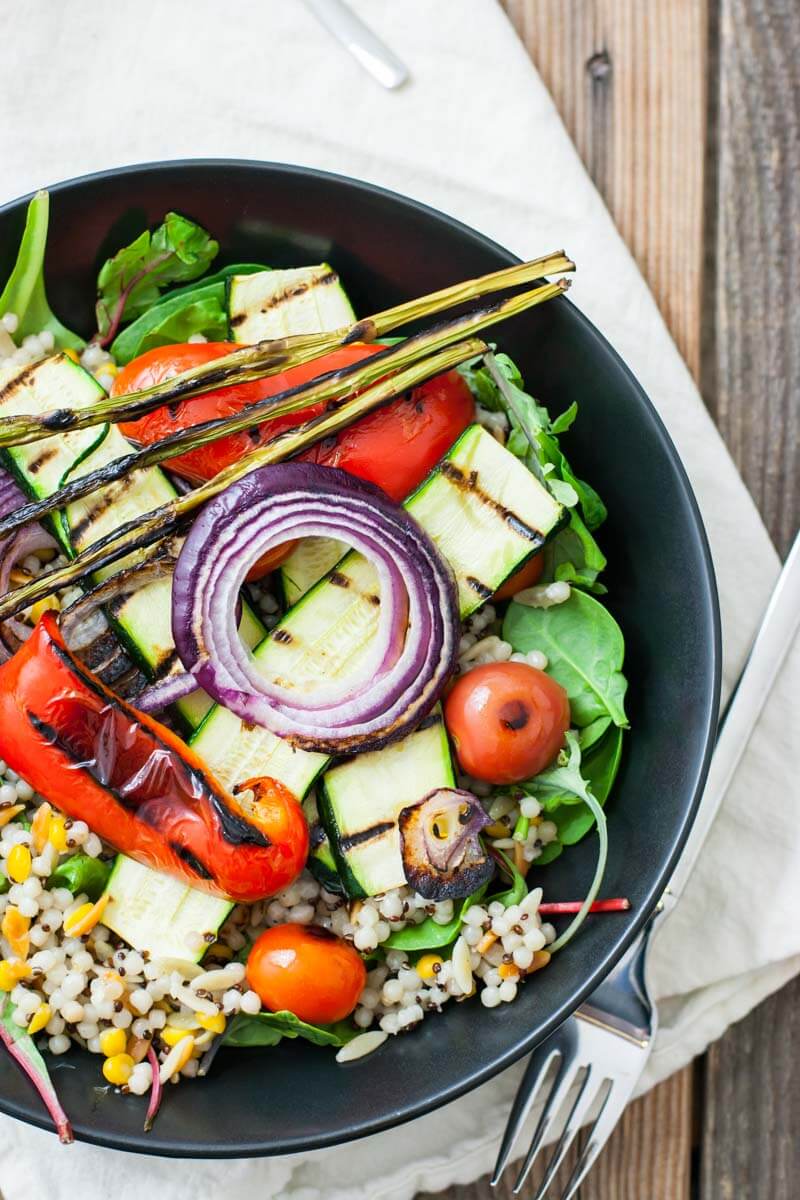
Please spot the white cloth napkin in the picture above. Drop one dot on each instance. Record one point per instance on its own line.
(88, 86)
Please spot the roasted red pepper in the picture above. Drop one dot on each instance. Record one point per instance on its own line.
(136, 784)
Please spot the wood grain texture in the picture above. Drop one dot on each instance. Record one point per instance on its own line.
(628, 77)
(752, 376)
(647, 1158)
(751, 1112)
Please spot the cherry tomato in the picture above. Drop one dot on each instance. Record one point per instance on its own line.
(395, 446)
(507, 721)
(306, 970)
(525, 577)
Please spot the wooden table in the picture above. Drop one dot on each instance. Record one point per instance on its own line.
(687, 115)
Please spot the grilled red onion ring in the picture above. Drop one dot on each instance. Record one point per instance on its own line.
(414, 647)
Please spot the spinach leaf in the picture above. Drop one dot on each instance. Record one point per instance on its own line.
(24, 294)
(175, 320)
(564, 420)
(267, 1029)
(181, 312)
(131, 281)
(4, 884)
(82, 873)
(590, 735)
(585, 650)
(429, 935)
(549, 852)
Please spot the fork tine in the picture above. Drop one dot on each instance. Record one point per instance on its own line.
(580, 1106)
(523, 1103)
(565, 1077)
(598, 1134)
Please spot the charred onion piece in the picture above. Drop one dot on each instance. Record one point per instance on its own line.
(442, 853)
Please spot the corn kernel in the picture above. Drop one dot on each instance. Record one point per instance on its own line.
(18, 863)
(39, 1019)
(540, 959)
(428, 966)
(85, 918)
(496, 830)
(109, 368)
(117, 1069)
(47, 604)
(508, 971)
(40, 827)
(58, 833)
(14, 928)
(11, 972)
(73, 354)
(215, 1024)
(486, 942)
(8, 814)
(171, 1035)
(113, 1042)
(220, 950)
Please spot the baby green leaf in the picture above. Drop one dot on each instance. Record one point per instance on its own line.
(24, 294)
(585, 651)
(267, 1029)
(131, 281)
(82, 873)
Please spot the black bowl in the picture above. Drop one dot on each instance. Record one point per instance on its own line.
(661, 588)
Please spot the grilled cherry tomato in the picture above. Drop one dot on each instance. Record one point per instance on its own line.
(395, 446)
(306, 970)
(525, 577)
(507, 721)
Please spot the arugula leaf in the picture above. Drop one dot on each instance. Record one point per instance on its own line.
(585, 651)
(573, 555)
(598, 771)
(564, 420)
(24, 293)
(429, 935)
(267, 1029)
(82, 873)
(180, 312)
(131, 281)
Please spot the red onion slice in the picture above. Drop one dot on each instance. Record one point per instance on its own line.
(412, 651)
(442, 854)
(28, 540)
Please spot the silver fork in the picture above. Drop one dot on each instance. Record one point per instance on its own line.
(600, 1052)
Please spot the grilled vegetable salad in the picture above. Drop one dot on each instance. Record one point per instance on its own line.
(304, 674)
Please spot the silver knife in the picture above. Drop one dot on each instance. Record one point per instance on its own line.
(365, 46)
(778, 629)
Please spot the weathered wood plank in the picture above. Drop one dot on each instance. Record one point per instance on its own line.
(628, 78)
(648, 1158)
(751, 1108)
(752, 377)
(751, 1091)
(636, 110)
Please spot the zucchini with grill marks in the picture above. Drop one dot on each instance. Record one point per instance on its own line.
(143, 619)
(487, 514)
(276, 304)
(361, 800)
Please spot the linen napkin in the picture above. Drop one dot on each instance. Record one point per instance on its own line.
(85, 87)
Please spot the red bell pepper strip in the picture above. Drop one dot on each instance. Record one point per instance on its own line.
(136, 784)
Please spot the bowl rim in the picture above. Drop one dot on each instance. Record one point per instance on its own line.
(32, 1113)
